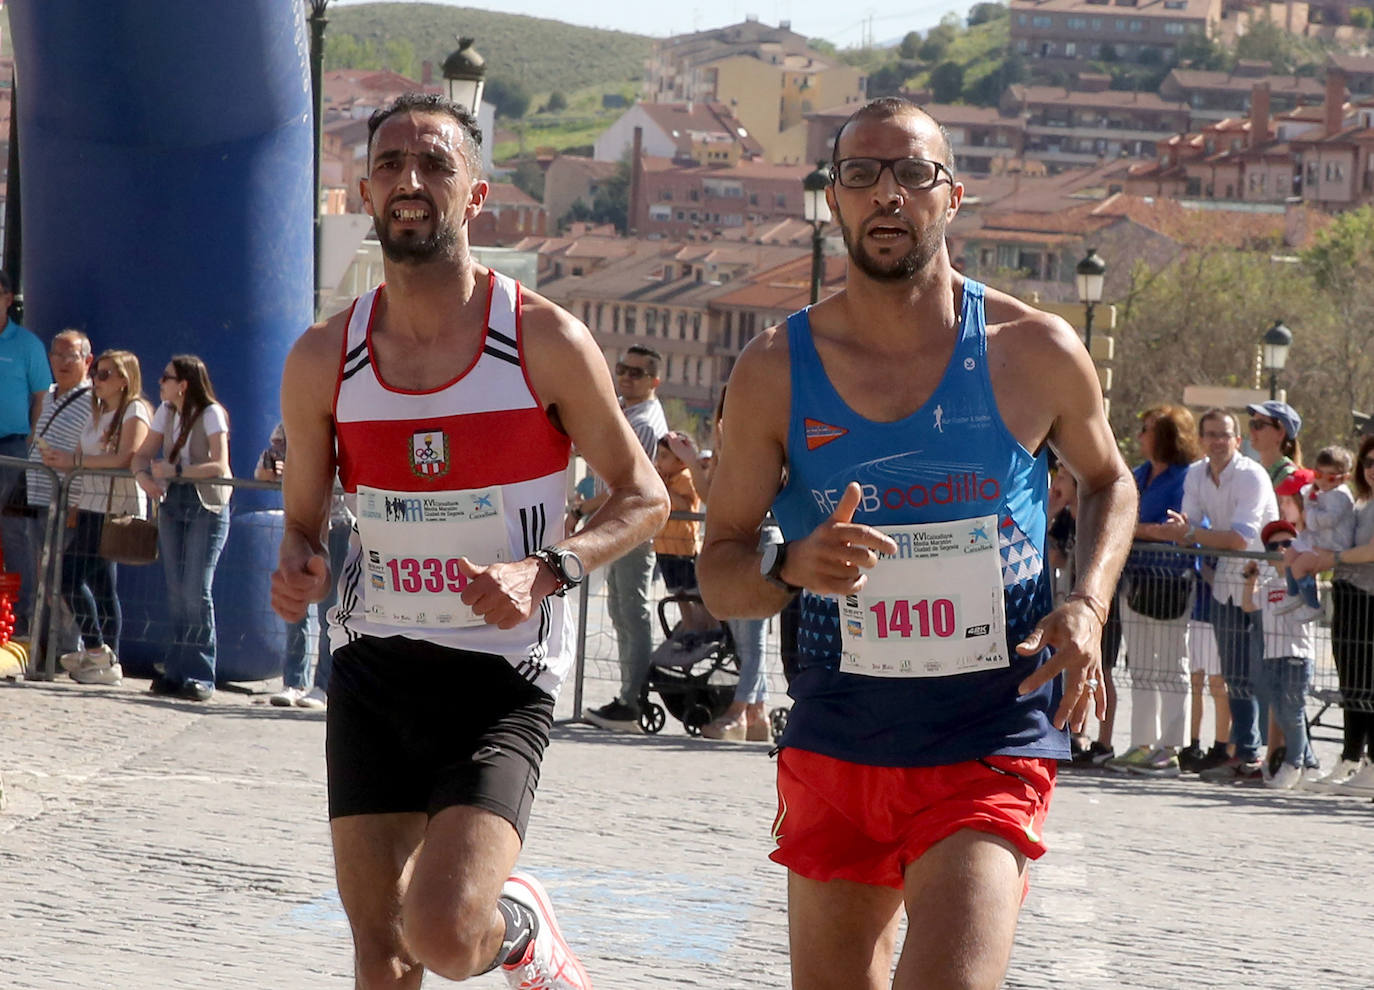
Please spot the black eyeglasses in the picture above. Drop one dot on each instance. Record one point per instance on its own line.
(629, 371)
(1276, 545)
(917, 174)
(105, 374)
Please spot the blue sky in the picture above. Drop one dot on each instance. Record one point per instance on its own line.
(833, 20)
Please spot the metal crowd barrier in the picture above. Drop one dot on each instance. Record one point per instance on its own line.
(251, 638)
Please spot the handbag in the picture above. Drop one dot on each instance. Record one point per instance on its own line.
(125, 538)
(1160, 595)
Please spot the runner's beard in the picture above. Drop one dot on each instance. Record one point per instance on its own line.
(413, 248)
(926, 245)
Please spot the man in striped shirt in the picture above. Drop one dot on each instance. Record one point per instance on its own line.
(62, 416)
(630, 580)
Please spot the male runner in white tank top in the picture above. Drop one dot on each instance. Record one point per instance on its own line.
(433, 747)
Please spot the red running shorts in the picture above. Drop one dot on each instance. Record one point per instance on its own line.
(846, 821)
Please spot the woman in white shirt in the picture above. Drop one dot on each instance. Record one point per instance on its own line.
(188, 442)
(118, 426)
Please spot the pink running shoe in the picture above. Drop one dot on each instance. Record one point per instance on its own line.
(548, 964)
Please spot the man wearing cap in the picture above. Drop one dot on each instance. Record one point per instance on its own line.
(1233, 496)
(1274, 427)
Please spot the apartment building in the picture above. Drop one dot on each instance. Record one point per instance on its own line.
(1060, 35)
(677, 200)
(1320, 155)
(979, 136)
(767, 76)
(1213, 96)
(665, 295)
(508, 214)
(1089, 122)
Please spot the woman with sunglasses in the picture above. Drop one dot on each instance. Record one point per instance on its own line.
(191, 432)
(118, 426)
(1352, 637)
(1274, 428)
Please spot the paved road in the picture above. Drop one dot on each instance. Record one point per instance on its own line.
(153, 843)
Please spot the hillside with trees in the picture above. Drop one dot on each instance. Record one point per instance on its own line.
(528, 58)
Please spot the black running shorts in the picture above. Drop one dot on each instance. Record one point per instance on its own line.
(412, 726)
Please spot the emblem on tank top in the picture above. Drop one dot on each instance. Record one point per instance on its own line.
(429, 453)
(819, 434)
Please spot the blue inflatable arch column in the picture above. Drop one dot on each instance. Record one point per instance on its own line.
(166, 152)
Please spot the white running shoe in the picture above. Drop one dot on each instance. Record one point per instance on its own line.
(1286, 779)
(286, 697)
(94, 666)
(70, 661)
(1327, 784)
(548, 963)
(111, 674)
(314, 698)
(1360, 784)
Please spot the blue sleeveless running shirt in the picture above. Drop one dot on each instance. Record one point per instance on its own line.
(952, 459)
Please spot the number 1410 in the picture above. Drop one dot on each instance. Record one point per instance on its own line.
(925, 618)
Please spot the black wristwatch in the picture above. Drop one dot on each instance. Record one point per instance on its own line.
(774, 556)
(566, 566)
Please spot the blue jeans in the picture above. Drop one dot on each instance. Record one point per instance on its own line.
(750, 637)
(1240, 642)
(629, 585)
(294, 670)
(1288, 679)
(88, 584)
(189, 539)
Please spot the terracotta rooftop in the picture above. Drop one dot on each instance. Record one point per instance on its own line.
(1300, 86)
(1110, 98)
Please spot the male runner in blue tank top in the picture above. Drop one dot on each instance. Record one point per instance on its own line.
(898, 430)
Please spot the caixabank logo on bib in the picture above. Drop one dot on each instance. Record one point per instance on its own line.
(429, 453)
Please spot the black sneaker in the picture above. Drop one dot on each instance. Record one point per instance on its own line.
(196, 691)
(1190, 758)
(616, 717)
(1099, 754)
(164, 688)
(1214, 757)
(1276, 756)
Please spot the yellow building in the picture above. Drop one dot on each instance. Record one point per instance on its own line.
(767, 76)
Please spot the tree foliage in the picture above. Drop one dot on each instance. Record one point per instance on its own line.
(510, 99)
(947, 82)
(1198, 321)
(611, 203)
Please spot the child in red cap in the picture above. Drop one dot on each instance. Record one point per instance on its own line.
(1287, 665)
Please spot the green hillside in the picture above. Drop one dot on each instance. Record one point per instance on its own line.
(541, 56)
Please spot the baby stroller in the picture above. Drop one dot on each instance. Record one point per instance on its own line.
(693, 674)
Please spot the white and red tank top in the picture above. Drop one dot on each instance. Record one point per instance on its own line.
(484, 429)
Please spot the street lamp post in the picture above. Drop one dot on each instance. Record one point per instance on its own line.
(1091, 273)
(817, 213)
(1274, 348)
(317, 26)
(466, 73)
